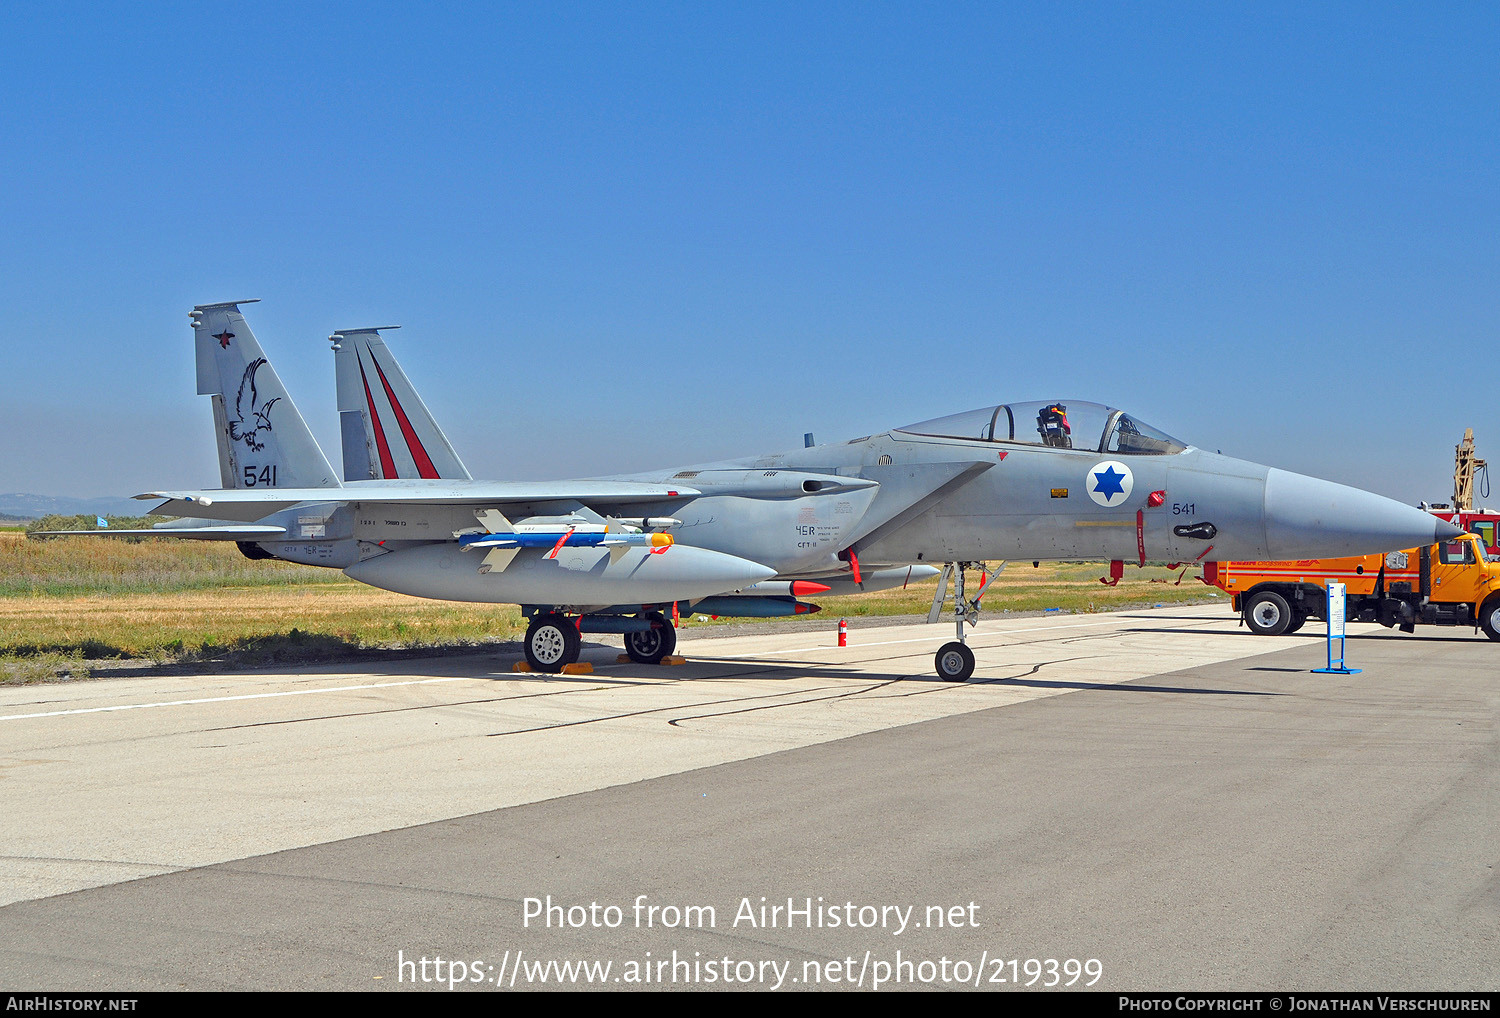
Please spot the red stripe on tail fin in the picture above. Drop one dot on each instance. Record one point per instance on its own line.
(413, 443)
(387, 465)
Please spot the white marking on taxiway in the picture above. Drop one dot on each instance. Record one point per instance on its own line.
(225, 699)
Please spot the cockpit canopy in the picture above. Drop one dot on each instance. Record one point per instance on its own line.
(1061, 424)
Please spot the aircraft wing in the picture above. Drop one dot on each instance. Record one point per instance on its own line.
(250, 504)
(240, 532)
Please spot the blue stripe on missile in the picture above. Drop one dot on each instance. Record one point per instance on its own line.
(531, 540)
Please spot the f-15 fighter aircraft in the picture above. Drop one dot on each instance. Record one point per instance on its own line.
(1044, 480)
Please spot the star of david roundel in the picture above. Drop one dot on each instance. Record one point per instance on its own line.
(1109, 483)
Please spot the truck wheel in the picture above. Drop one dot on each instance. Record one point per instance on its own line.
(1295, 624)
(1268, 614)
(1489, 618)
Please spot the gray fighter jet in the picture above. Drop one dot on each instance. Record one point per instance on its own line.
(1020, 481)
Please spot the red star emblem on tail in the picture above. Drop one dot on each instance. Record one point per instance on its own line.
(224, 338)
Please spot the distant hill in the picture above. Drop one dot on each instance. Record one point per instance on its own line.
(30, 507)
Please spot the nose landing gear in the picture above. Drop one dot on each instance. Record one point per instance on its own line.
(955, 661)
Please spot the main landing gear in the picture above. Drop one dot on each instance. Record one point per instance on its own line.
(649, 646)
(955, 661)
(553, 640)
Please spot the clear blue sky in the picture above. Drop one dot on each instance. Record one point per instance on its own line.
(622, 236)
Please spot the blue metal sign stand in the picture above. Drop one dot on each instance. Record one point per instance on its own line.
(1336, 631)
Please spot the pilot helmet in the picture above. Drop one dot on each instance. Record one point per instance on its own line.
(1053, 414)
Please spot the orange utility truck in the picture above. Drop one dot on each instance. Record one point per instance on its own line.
(1484, 522)
(1448, 584)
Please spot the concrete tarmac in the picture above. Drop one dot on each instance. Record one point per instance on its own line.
(1148, 800)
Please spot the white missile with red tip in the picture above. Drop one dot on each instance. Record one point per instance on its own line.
(502, 539)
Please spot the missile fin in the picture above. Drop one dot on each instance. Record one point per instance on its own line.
(588, 515)
(498, 558)
(494, 521)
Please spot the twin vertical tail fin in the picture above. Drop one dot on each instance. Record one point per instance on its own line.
(387, 430)
(263, 440)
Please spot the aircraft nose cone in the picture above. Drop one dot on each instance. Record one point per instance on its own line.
(1311, 518)
(1447, 531)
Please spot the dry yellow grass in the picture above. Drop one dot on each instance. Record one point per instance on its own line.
(189, 623)
(82, 565)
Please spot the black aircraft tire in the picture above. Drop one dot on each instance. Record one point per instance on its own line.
(954, 662)
(1268, 614)
(1489, 618)
(650, 646)
(551, 642)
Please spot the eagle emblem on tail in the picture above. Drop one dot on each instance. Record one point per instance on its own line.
(253, 417)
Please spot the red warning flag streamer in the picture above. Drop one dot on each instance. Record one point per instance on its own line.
(560, 542)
